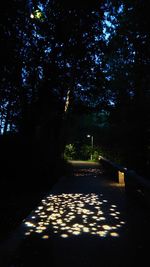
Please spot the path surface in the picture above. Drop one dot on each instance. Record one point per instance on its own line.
(85, 221)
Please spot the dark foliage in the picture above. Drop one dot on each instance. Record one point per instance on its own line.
(93, 52)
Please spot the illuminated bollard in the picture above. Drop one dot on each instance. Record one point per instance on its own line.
(121, 177)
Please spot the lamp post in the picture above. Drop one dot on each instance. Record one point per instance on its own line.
(92, 142)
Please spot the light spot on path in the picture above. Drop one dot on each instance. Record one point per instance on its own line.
(74, 214)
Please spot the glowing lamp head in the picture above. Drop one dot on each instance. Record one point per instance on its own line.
(32, 16)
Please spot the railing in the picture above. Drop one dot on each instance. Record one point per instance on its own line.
(135, 185)
(116, 171)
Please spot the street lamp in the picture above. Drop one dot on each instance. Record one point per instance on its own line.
(92, 142)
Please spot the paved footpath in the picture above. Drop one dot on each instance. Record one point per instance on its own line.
(85, 221)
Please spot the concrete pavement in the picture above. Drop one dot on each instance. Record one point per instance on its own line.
(86, 220)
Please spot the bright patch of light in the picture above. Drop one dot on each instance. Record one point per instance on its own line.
(47, 50)
(120, 10)
(32, 16)
(74, 214)
(67, 101)
(64, 235)
(114, 234)
(38, 14)
(68, 65)
(41, 6)
(111, 21)
(108, 23)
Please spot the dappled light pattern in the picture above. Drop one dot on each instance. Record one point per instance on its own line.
(74, 214)
(88, 172)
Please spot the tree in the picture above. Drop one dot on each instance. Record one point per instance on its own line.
(126, 69)
(75, 58)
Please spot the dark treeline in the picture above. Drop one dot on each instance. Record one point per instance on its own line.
(59, 61)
